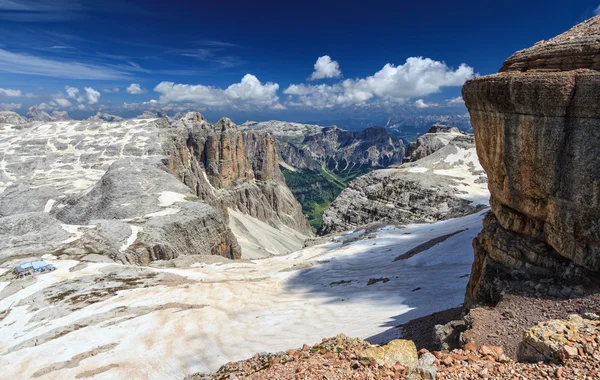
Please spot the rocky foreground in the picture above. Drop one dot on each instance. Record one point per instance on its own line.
(568, 349)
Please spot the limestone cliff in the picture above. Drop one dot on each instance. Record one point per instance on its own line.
(234, 169)
(537, 130)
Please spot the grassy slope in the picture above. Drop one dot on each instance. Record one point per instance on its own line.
(316, 190)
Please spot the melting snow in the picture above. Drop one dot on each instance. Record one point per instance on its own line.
(167, 198)
(239, 308)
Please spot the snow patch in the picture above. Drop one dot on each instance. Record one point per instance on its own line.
(167, 198)
(49, 205)
(132, 238)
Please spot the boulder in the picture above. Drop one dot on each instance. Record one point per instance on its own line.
(397, 351)
(552, 341)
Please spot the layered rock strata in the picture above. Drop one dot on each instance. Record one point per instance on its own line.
(537, 130)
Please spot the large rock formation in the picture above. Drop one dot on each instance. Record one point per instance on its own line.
(307, 146)
(37, 114)
(138, 190)
(437, 137)
(448, 183)
(537, 131)
(11, 117)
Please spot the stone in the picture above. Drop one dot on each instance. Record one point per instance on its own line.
(537, 130)
(549, 341)
(399, 350)
(426, 359)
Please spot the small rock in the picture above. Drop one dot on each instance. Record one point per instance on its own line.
(570, 352)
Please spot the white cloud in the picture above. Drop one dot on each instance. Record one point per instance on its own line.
(92, 95)
(420, 103)
(109, 90)
(455, 101)
(61, 100)
(326, 68)
(135, 89)
(7, 92)
(597, 10)
(33, 65)
(64, 103)
(72, 92)
(248, 93)
(9, 106)
(417, 77)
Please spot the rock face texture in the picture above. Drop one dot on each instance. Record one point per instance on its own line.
(137, 190)
(449, 183)
(437, 137)
(10, 117)
(234, 169)
(36, 114)
(537, 131)
(307, 146)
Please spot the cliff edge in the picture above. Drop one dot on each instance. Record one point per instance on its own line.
(537, 131)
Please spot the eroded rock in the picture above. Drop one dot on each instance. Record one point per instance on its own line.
(537, 131)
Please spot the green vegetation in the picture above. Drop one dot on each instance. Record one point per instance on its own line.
(315, 190)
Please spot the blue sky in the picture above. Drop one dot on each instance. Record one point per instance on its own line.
(258, 60)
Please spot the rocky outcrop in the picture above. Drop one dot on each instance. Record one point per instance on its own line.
(105, 117)
(139, 190)
(234, 169)
(537, 131)
(11, 117)
(36, 114)
(449, 183)
(437, 137)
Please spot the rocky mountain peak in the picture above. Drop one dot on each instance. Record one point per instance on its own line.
(105, 117)
(437, 137)
(11, 117)
(191, 116)
(225, 124)
(441, 128)
(36, 114)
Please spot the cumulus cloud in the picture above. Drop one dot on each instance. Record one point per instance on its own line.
(73, 95)
(92, 95)
(248, 93)
(64, 103)
(417, 77)
(326, 68)
(9, 106)
(420, 103)
(455, 101)
(135, 89)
